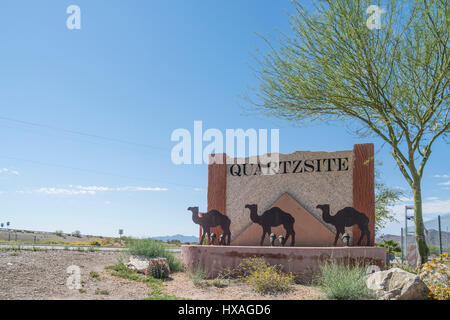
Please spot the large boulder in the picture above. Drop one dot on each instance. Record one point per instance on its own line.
(154, 267)
(138, 264)
(397, 284)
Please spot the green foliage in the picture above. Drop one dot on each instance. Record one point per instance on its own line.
(148, 248)
(385, 197)
(156, 285)
(76, 233)
(390, 245)
(94, 275)
(175, 242)
(343, 282)
(59, 233)
(434, 250)
(20, 248)
(95, 242)
(122, 271)
(103, 292)
(263, 277)
(197, 275)
(436, 274)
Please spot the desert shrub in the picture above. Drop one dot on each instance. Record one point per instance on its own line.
(76, 233)
(148, 248)
(219, 282)
(434, 250)
(197, 275)
(263, 277)
(343, 281)
(122, 271)
(436, 274)
(107, 242)
(244, 268)
(95, 242)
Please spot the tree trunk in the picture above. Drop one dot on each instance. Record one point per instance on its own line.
(422, 248)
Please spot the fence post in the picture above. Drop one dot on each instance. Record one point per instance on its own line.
(440, 235)
(402, 246)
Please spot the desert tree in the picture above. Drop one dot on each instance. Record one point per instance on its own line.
(390, 82)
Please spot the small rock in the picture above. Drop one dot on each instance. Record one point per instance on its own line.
(397, 284)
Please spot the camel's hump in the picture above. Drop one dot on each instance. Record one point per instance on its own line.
(215, 212)
(350, 210)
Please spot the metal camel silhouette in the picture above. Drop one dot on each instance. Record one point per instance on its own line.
(346, 217)
(210, 220)
(273, 218)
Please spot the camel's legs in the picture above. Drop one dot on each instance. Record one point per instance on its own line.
(205, 231)
(367, 234)
(262, 238)
(209, 237)
(364, 232)
(264, 235)
(288, 233)
(360, 238)
(368, 237)
(336, 239)
(202, 237)
(285, 238)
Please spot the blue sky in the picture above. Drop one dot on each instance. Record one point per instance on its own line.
(136, 71)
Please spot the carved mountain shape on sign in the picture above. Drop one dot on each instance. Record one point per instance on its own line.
(309, 231)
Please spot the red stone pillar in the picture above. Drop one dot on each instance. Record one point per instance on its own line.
(217, 187)
(364, 188)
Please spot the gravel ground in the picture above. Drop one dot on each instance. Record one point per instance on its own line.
(42, 275)
(29, 275)
(182, 287)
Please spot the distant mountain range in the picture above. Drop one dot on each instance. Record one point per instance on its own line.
(179, 237)
(433, 224)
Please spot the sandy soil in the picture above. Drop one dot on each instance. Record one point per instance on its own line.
(28, 275)
(182, 287)
(42, 275)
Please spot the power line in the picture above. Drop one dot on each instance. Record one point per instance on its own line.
(96, 136)
(100, 172)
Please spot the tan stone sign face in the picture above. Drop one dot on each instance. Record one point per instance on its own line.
(296, 184)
